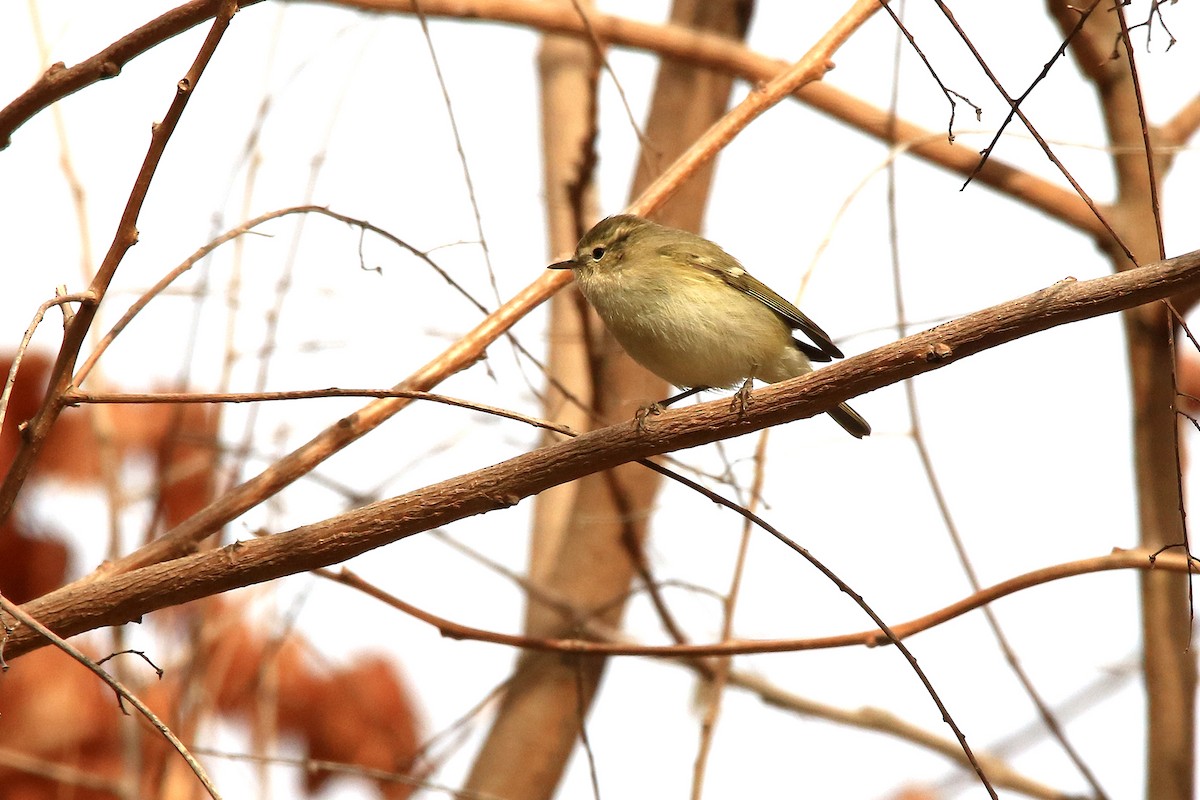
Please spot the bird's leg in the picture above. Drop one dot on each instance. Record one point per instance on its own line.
(686, 393)
(741, 398)
(657, 408)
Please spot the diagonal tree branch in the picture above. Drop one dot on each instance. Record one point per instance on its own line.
(121, 598)
(60, 81)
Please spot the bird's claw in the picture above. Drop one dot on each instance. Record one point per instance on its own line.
(740, 401)
(645, 411)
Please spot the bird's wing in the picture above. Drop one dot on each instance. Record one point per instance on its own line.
(743, 281)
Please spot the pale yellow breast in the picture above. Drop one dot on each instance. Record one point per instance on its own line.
(699, 332)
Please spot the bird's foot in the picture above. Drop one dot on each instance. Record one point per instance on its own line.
(645, 411)
(741, 398)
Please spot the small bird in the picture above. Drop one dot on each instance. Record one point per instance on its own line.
(687, 311)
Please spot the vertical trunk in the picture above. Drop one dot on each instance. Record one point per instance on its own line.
(568, 70)
(586, 535)
(1169, 666)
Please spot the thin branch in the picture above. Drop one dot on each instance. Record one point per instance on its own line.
(635, 549)
(458, 144)
(882, 721)
(1148, 24)
(948, 92)
(581, 720)
(455, 733)
(40, 630)
(722, 667)
(241, 230)
(65, 162)
(873, 719)
(60, 81)
(1015, 109)
(598, 50)
(58, 299)
(78, 398)
(1140, 559)
(125, 237)
(1185, 545)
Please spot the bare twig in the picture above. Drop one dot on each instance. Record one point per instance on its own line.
(1155, 206)
(37, 628)
(598, 50)
(1116, 560)
(458, 144)
(59, 81)
(124, 238)
(76, 398)
(948, 92)
(873, 719)
(10, 381)
(241, 230)
(1015, 110)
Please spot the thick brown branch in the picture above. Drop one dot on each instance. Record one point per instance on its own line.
(126, 597)
(59, 80)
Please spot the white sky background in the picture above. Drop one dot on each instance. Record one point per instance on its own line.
(1031, 439)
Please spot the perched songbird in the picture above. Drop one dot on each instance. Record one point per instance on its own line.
(687, 311)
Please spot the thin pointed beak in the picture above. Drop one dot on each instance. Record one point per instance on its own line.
(562, 265)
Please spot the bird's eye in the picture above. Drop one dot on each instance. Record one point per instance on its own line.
(597, 253)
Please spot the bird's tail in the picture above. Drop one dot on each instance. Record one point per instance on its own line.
(851, 420)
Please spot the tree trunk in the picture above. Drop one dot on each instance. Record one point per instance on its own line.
(586, 546)
(1169, 666)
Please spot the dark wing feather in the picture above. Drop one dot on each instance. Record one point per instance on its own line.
(814, 353)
